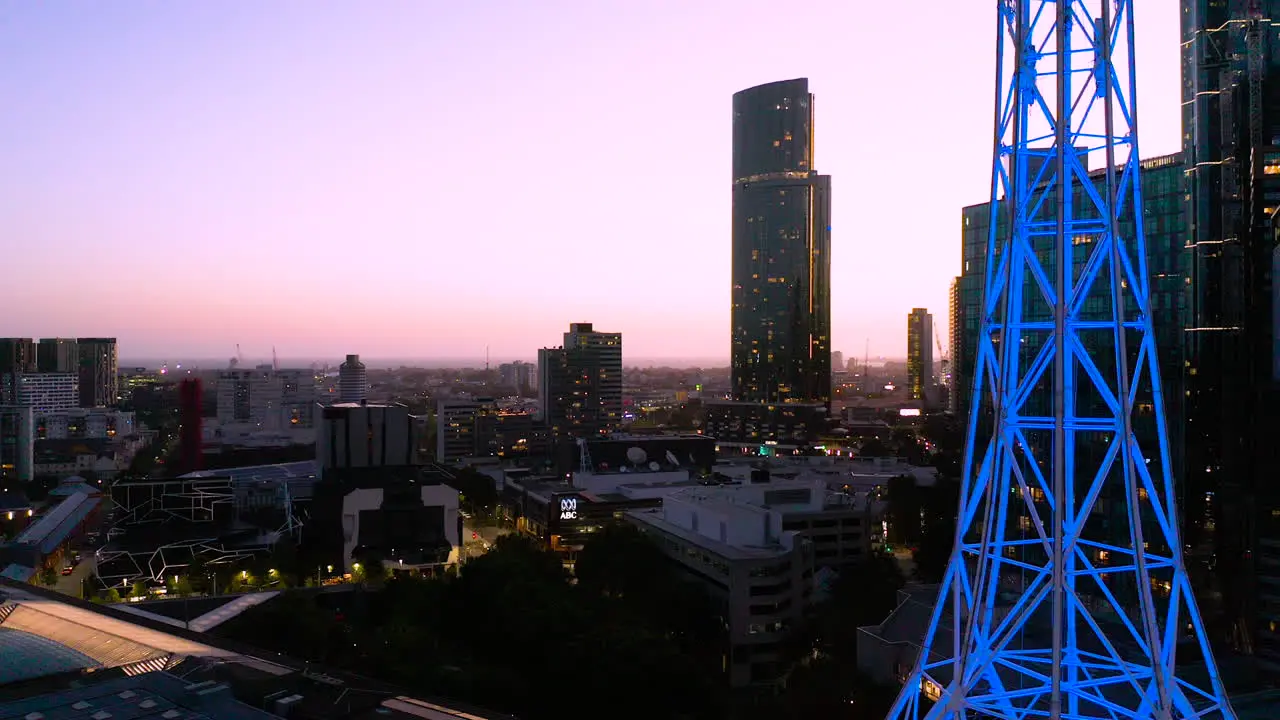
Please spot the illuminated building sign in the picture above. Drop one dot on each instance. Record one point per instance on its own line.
(568, 508)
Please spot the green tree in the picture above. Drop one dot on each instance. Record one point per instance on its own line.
(939, 506)
(863, 594)
(139, 589)
(873, 447)
(183, 586)
(286, 561)
(904, 509)
(48, 576)
(369, 568)
(477, 492)
(619, 561)
(112, 595)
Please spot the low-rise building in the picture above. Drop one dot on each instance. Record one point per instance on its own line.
(75, 423)
(758, 549)
(776, 428)
(480, 428)
(365, 435)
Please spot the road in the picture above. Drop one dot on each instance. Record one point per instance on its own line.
(73, 584)
(476, 540)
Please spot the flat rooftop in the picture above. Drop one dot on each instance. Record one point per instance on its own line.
(156, 695)
(654, 519)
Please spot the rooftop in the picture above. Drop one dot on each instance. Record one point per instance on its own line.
(655, 518)
(24, 656)
(53, 527)
(125, 666)
(156, 695)
(279, 471)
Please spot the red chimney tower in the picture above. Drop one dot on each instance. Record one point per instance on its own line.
(191, 415)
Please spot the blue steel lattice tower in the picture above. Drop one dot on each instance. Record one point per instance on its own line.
(1048, 609)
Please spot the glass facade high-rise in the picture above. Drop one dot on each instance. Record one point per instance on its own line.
(1165, 225)
(1231, 139)
(919, 354)
(781, 314)
(1165, 231)
(953, 347)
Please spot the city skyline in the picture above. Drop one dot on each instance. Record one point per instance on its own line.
(281, 162)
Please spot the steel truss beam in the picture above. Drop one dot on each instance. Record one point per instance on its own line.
(1066, 595)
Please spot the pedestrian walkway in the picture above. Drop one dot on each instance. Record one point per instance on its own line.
(209, 620)
(217, 616)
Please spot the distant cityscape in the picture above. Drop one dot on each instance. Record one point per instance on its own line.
(772, 533)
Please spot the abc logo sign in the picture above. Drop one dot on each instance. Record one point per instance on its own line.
(568, 508)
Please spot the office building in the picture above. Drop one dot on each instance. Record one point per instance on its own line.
(362, 435)
(1164, 223)
(1231, 126)
(99, 372)
(17, 355)
(487, 429)
(522, 376)
(764, 428)
(780, 318)
(755, 548)
(837, 361)
(954, 343)
(919, 354)
(456, 427)
(47, 393)
(1165, 227)
(353, 381)
(60, 355)
(580, 383)
(266, 399)
(17, 445)
(84, 423)
(781, 313)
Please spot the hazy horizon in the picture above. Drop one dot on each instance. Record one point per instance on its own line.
(430, 363)
(426, 179)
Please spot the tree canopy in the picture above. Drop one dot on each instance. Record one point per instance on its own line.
(502, 634)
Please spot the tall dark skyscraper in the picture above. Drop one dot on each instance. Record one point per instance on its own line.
(99, 372)
(919, 354)
(781, 315)
(1231, 136)
(17, 355)
(57, 355)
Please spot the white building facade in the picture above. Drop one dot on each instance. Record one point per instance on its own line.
(757, 549)
(267, 400)
(47, 393)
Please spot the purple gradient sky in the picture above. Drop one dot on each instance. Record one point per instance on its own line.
(424, 178)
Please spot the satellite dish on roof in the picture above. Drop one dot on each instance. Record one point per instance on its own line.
(653, 466)
(637, 456)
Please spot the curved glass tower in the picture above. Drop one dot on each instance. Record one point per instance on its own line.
(781, 318)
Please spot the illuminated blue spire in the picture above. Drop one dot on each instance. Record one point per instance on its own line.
(1066, 595)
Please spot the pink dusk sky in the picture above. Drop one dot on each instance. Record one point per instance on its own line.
(425, 178)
